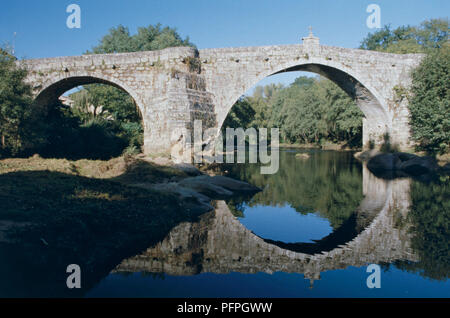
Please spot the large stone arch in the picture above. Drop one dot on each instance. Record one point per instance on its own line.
(370, 77)
(376, 120)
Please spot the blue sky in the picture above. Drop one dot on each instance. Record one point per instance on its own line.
(42, 32)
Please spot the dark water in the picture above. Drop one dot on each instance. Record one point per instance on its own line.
(311, 232)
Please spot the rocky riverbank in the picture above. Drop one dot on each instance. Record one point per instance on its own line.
(402, 164)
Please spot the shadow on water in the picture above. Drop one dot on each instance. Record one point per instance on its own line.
(49, 220)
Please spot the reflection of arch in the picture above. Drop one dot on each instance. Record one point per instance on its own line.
(376, 201)
(345, 233)
(227, 246)
(53, 89)
(357, 222)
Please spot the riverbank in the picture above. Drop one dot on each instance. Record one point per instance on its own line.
(55, 212)
(324, 146)
(182, 183)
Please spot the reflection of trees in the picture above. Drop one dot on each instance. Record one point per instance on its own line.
(430, 220)
(327, 183)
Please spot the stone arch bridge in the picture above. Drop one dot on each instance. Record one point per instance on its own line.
(175, 86)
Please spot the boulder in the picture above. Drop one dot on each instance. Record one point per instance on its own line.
(366, 155)
(207, 188)
(419, 165)
(404, 156)
(202, 202)
(402, 163)
(227, 183)
(383, 162)
(446, 168)
(302, 156)
(188, 169)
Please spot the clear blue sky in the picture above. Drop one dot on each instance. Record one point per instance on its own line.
(42, 31)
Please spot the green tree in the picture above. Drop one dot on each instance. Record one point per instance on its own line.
(428, 35)
(150, 38)
(115, 102)
(241, 115)
(310, 110)
(118, 40)
(15, 101)
(155, 37)
(430, 102)
(105, 101)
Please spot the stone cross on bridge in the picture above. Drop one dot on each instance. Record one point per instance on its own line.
(175, 86)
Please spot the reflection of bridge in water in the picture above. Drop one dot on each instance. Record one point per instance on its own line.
(219, 243)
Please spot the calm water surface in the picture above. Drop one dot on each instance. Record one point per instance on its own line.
(311, 232)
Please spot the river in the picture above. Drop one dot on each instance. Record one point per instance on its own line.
(311, 232)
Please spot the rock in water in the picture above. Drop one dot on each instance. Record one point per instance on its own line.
(221, 181)
(404, 156)
(383, 162)
(232, 184)
(446, 168)
(403, 163)
(302, 156)
(207, 188)
(188, 169)
(419, 165)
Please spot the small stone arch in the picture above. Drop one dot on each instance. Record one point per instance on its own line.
(52, 89)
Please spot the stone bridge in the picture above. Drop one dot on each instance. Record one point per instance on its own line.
(175, 86)
(219, 243)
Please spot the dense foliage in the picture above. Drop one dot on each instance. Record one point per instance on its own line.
(430, 102)
(15, 99)
(310, 110)
(150, 38)
(429, 96)
(430, 34)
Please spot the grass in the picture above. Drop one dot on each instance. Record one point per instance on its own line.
(122, 168)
